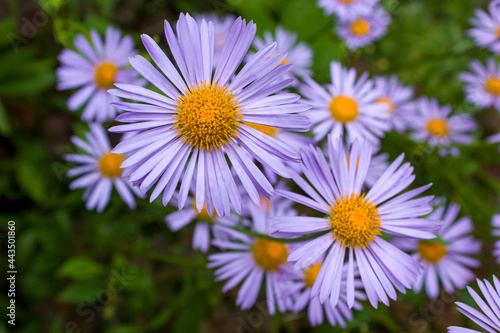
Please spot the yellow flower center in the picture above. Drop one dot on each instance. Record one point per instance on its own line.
(284, 61)
(269, 130)
(204, 213)
(431, 251)
(109, 165)
(208, 116)
(498, 32)
(389, 103)
(355, 221)
(492, 86)
(104, 75)
(346, 1)
(311, 274)
(343, 109)
(360, 27)
(269, 254)
(437, 127)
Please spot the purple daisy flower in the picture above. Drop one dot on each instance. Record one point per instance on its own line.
(346, 9)
(486, 31)
(338, 315)
(200, 117)
(495, 223)
(300, 55)
(346, 104)
(222, 25)
(354, 222)
(482, 86)
(397, 97)
(446, 259)
(255, 260)
(94, 68)
(365, 28)
(204, 221)
(99, 171)
(435, 125)
(489, 318)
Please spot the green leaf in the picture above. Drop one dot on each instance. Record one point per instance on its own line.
(83, 291)
(80, 268)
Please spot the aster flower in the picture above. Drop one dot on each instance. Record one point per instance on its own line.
(200, 117)
(255, 260)
(337, 315)
(435, 125)
(486, 31)
(94, 68)
(204, 221)
(446, 259)
(495, 223)
(397, 98)
(99, 171)
(300, 55)
(489, 316)
(365, 28)
(221, 29)
(354, 222)
(482, 86)
(346, 105)
(346, 9)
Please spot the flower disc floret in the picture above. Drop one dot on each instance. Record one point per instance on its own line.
(208, 116)
(355, 221)
(269, 254)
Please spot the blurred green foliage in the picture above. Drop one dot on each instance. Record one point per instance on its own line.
(125, 272)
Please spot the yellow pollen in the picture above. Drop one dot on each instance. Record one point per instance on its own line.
(269, 130)
(204, 213)
(310, 274)
(284, 61)
(437, 127)
(360, 27)
(492, 85)
(355, 221)
(208, 117)
(431, 251)
(346, 1)
(269, 254)
(109, 165)
(343, 109)
(389, 103)
(104, 75)
(357, 161)
(498, 32)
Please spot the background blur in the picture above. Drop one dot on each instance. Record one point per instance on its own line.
(125, 272)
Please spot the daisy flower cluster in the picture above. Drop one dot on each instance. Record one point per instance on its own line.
(360, 22)
(213, 129)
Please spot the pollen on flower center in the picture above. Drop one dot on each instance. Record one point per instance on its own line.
(389, 103)
(431, 251)
(355, 221)
(269, 130)
(310, 274)
(208, 116)
(360, 27)
(343, 109)
(269, 254)
(492, 86)
(437, 127)
(284, 61)
(109, 165)
(204, 213)
(104, 75)
(498, 32)
(346, 1)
